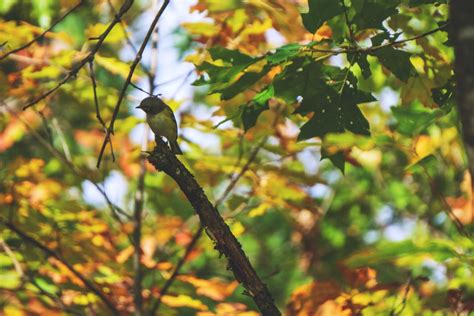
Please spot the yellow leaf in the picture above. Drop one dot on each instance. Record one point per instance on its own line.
(115, 36)
(183, 301)
(31, 168)
(424, 146)
(125, 254)
(13, 311)
(214, 288)
(417, 88)
(257, 27)
(201, 28)
(237, 229)
(98, 240)
(115, 66)
(259, 210)
(45, 72)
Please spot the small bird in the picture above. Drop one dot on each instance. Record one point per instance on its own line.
(161, 120)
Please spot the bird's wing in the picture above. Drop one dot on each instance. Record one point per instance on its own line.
(170, 111)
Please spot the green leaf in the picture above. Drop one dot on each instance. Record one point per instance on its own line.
(413, 119)
(335, 112)
(284, 53)
(338, 159)
(244, 82)
(397, 61)
(370, 14)
(292, 81)
(251, 111)
(424, 165)
(361, 60)
(221, 76)
(6, 5)
(231, 56)
(437, 249)
(319, 12)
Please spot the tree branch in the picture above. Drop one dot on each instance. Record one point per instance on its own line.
(81, 2)
(136, 61)
(51, 253)
(198, 234)
(216, 228)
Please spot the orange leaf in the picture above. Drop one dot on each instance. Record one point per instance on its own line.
(183, 301)
(214, 288)
(308, 299)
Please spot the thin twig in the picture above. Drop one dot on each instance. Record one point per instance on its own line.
(138, 57)
(124, 28)
(403, 303)
(378, 47)
(13, 258)
(51, 253)
(457, 222)
(96, 102)
(139, 195)
(244, 169)
(55, 298)
(138, 88)
(44, 32)
(114, 208)
(94, 90)
(128, 38)
(179, 265)
(75, 70)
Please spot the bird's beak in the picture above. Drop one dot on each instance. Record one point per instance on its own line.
(138, 107)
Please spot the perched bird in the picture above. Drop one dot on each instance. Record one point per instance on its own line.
(160, 118)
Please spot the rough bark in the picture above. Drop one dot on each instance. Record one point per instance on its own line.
(225, 242)
(462, 36)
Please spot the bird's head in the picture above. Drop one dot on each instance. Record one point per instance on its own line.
(152, 105)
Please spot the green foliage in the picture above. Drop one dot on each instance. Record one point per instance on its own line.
(319, 12)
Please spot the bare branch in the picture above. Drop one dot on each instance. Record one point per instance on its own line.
(81, 2)
(74, 71)
(138, 57)
(198, 233)
(51, 253)
(216, 228)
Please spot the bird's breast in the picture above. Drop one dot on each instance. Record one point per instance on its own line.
(162, 125)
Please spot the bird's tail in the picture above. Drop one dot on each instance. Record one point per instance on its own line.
(175, 148)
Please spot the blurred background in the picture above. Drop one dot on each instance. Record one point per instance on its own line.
(385, 237)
